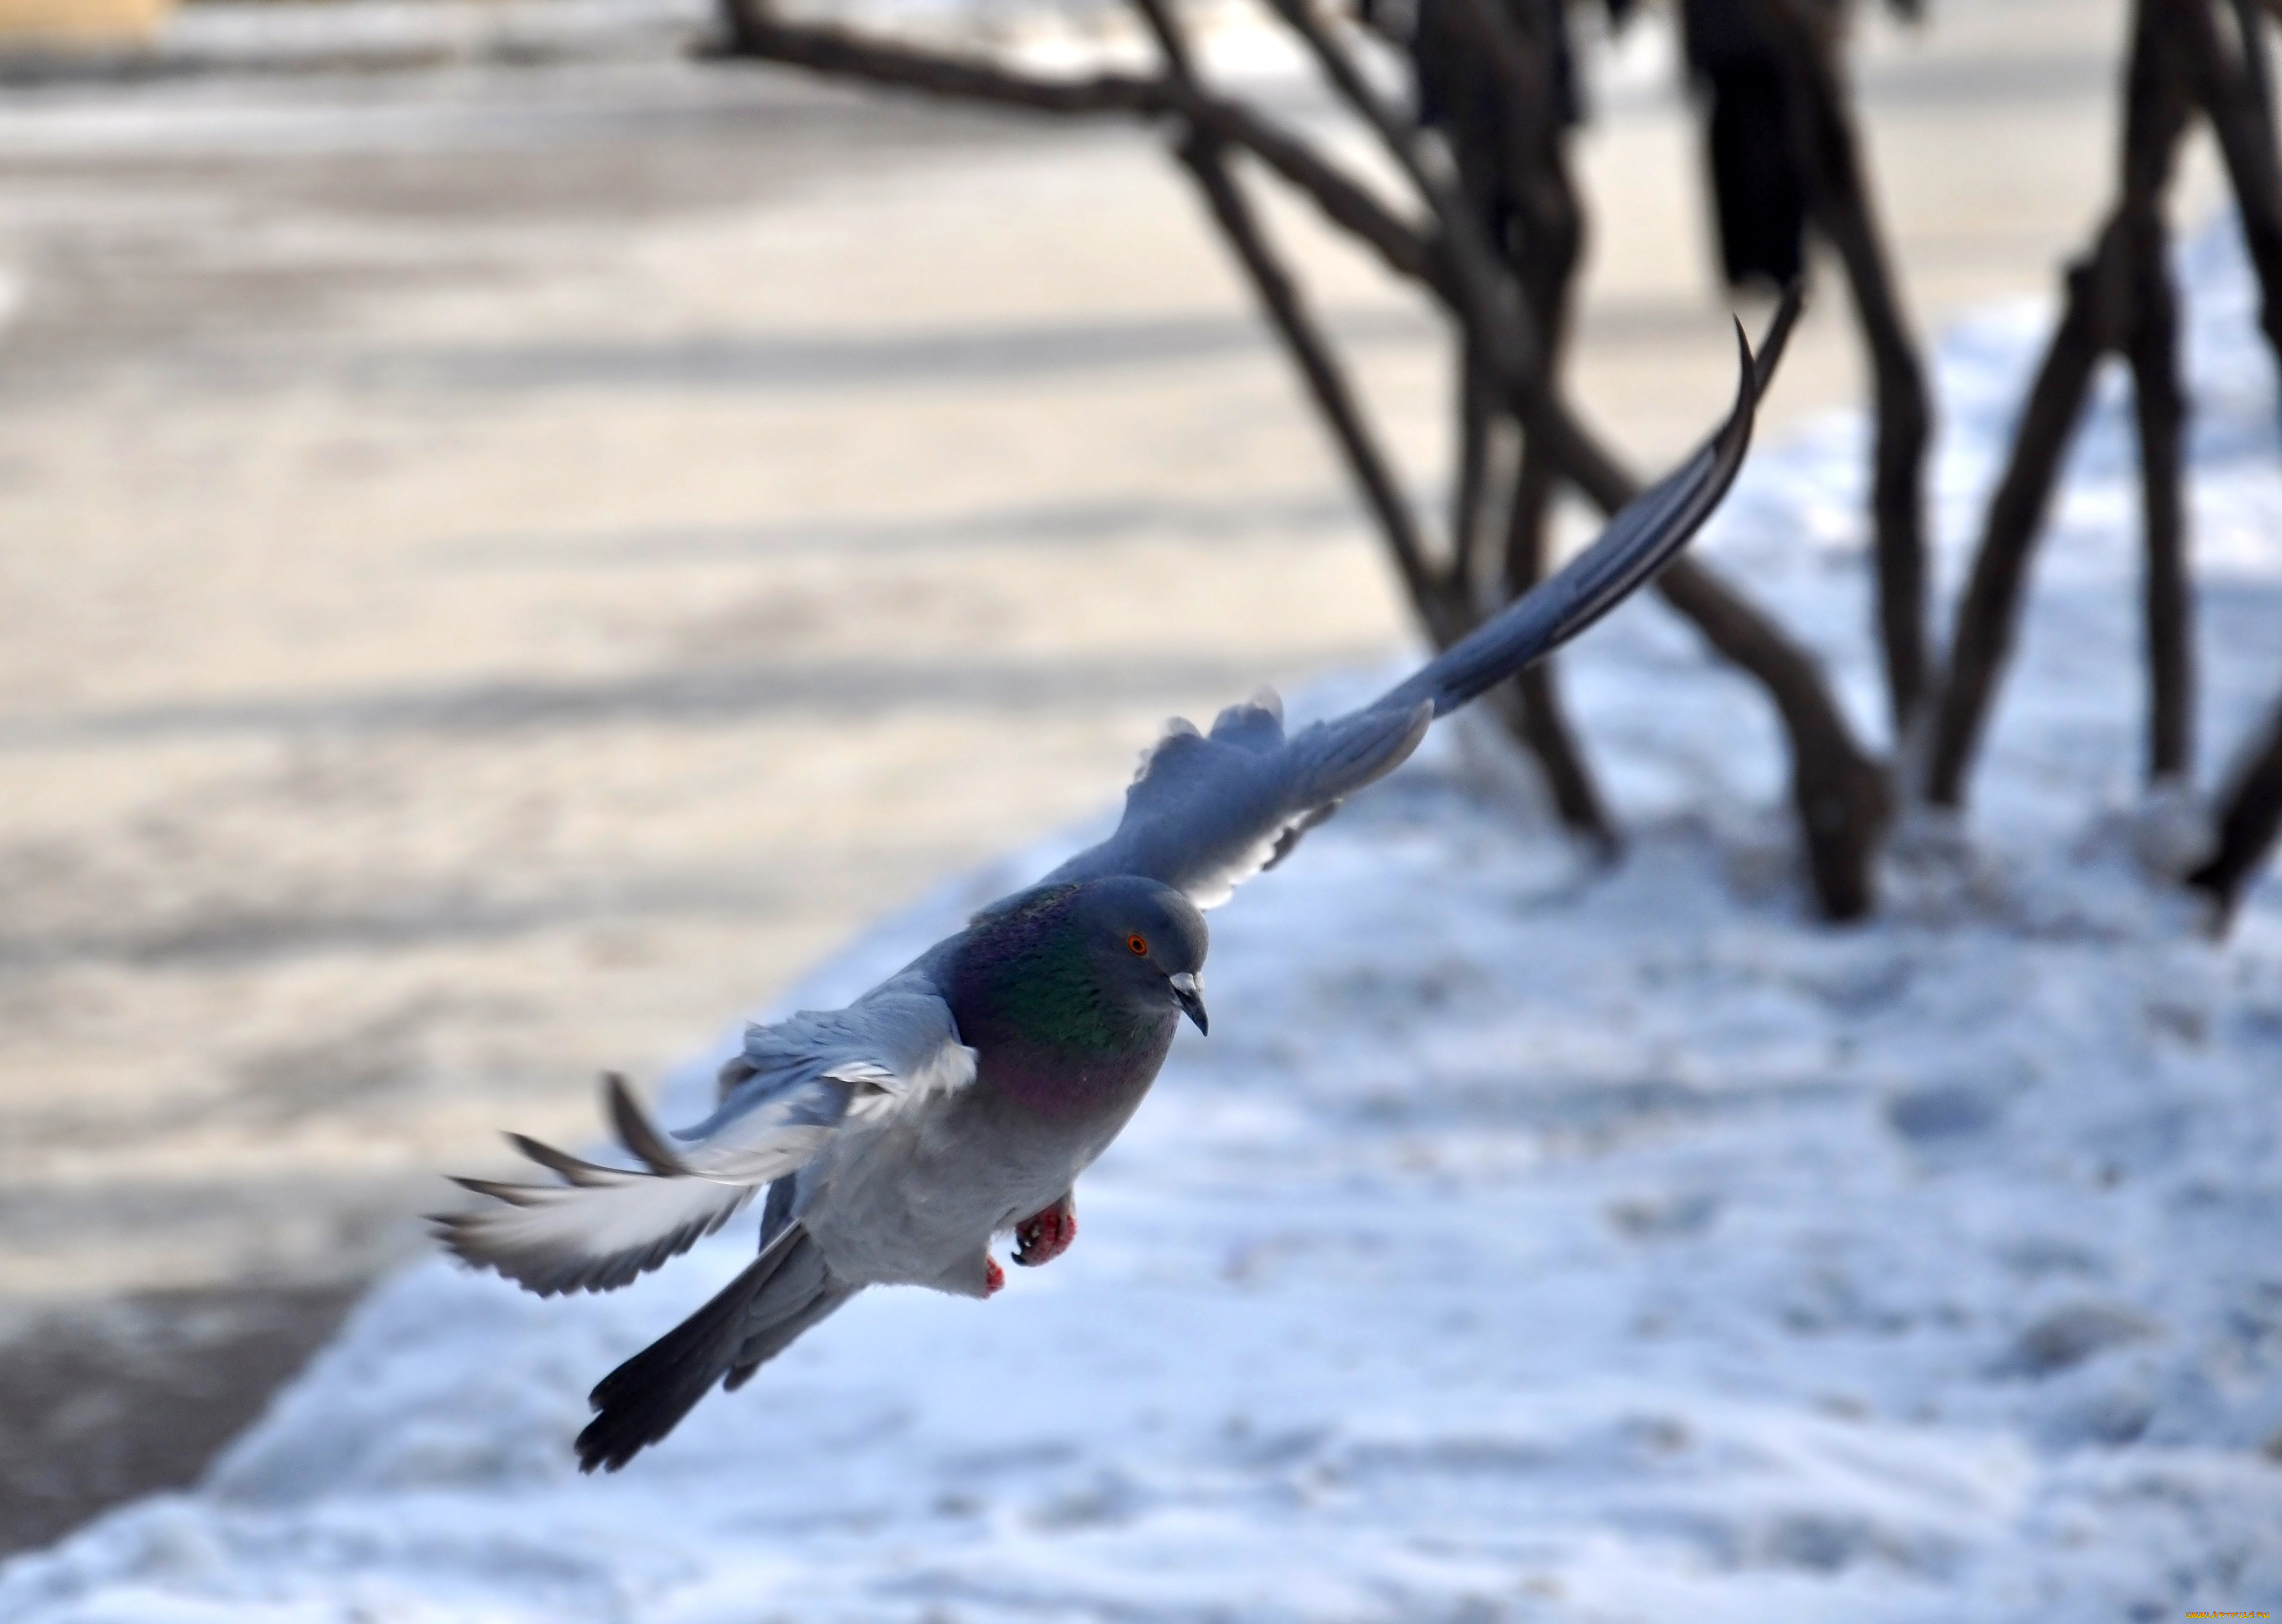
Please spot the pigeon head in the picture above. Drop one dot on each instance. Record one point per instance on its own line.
(1146, 942)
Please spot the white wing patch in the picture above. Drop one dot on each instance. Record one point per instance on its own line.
(880, 1092)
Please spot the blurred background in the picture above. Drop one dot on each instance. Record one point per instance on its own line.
(515, 540)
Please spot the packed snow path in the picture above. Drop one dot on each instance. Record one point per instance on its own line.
(1528, 1242)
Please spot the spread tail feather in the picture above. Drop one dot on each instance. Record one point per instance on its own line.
(779, 1294)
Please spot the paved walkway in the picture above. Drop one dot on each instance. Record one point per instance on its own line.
(505, 564)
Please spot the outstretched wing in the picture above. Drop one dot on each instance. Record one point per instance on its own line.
(1645, 537)
(1209, 810)
(794, 1083)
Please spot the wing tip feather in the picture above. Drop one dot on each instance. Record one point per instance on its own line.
(635, 1130)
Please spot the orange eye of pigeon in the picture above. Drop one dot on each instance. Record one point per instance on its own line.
(1139, 945)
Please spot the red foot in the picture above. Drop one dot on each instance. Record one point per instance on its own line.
(1044, 1236)
(994, 1277)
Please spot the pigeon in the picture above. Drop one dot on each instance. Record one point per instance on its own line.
(960, 1099)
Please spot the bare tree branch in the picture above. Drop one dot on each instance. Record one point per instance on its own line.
(2239, 102)
(2254, 63)
(1838, 791)
(1989, 611)
(1202, 154)
(1511, 187)
(1202, 151)
(1841, 793)
(840, 53)
(2247, 828)
(2098, 317)
(2160, 411)
(2229, 101)
(1475, 286)
(1531, 161)
(1477, 416)
(1824, 136)
(822, 47)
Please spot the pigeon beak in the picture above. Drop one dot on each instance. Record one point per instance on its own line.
(1190, 995)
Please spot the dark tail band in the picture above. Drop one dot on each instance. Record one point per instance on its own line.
(772, 1301)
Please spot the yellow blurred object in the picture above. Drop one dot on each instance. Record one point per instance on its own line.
(76, 22)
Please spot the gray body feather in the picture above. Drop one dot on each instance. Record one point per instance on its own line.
(892, 1150)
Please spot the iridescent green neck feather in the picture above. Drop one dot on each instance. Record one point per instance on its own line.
(1028, 977)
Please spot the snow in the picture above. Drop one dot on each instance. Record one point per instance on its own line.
(1529, 1240)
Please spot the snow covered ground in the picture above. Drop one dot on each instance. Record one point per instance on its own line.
(1528, 1242)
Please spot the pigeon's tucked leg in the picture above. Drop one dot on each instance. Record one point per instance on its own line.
(1045, 1235)
(976, 1275)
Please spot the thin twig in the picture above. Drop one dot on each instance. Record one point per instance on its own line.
(1839, 793)
(1479, 289)
(1520, 158)
(2248, 826)
(2254, 63)
(2229, 100)
(842, 53)
(1203, 153)
(1825, 139)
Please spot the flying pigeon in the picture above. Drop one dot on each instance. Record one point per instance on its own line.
(960, 1099)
